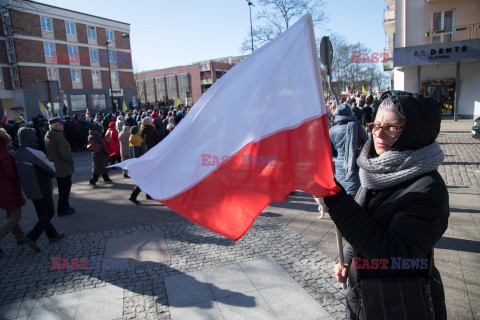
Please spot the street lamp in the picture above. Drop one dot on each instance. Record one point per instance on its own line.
(250, 4)
(125, 35)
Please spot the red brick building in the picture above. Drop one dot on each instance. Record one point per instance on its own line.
(59, 57)
(186, 83)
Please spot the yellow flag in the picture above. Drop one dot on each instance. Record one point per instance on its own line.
(43, 110)
(363, 89)
(124, 107)
(176, 101)
(20, 119)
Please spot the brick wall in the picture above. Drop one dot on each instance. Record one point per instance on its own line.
(30, 75)
(84, 56)
(124, 60)
(62, 54)
(7, 80)
(102, 53)
(26, 23)
(65, 78)
(87, 79)
(121, 43)
(105, 79)
(29, 51)
(126, 80)
(3, 52)
(59, 29)
(194, 75)
(82, 33)
(101, 36)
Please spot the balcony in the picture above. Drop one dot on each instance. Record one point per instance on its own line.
(458, 33)
(206, 81)
(389, 14)
(205, 66)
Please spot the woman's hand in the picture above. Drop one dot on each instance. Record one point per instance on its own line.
(341, 273)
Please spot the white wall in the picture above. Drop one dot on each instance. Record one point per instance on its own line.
(414, 23)
(405, 79)
(470, 89)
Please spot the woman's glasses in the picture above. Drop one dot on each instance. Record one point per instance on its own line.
(388, 129)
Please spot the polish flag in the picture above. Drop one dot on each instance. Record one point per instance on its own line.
(259, 133)
(4, 119)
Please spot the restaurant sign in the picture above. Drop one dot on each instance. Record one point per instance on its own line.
(444, 52)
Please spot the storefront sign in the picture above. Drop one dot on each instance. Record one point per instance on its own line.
(444, 52)
(116, 92)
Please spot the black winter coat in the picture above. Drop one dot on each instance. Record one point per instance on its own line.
(151, 136)
(403, 221)
(99, 160)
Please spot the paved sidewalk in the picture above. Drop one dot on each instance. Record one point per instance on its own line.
(139, 261)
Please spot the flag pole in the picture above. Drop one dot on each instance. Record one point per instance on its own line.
(326, 56)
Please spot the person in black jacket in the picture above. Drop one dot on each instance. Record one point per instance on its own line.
(402, 208)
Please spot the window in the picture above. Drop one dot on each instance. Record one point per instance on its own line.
(99, 102)
(91, 33)
(13, 71)
(78, 102)
(443, 23)
(16, 84)
(5, 16)
(109, 35)
(112, 56)
(73, 53)
(12, 57)
(49, 49)
(52, 74)
(46, 24)
(7, 29)
(70, 27)
(96, 77)
(94, 55)
(76, 76)
(114, 76)
(10, 44)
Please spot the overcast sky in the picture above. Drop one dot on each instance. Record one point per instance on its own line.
(179, 32)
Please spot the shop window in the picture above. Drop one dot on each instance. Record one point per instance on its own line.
(443, 23)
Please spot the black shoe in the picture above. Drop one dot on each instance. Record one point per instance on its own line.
(149, 198)
(31, 244)
(109, 181)
(134, 201)
(126, 176)
(58, 237)
(66, 212)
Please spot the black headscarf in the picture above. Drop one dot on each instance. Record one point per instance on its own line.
(422, 119)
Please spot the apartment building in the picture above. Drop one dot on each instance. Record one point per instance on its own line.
(60, 58)
(186, 83)
(436, 51)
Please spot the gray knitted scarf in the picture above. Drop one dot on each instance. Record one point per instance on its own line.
(394, 167)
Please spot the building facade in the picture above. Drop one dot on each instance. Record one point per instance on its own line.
(436, 51)
(186, 83)
(58, 57)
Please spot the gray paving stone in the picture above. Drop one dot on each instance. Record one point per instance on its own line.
(228, 280)
(187, 289)
(291, 301)
(265, 273)
(107, 310)
(207, 310)
(240, 306)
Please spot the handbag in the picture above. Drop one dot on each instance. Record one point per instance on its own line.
(402, 298)
(94, 146)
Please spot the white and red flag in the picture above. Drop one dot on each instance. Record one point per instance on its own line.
(4, 118)
(256, 135)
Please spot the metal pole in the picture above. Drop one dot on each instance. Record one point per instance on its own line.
(251, 25)
(457, 92)
(110, 76)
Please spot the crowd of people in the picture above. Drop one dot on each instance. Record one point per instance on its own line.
(390, 189)
(33, 153)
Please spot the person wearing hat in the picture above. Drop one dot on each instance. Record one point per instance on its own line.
(58, 151)
(401, 209)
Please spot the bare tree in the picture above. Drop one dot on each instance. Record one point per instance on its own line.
(276, 16)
